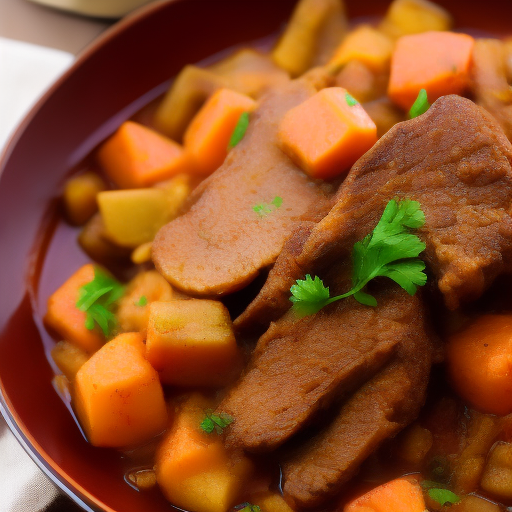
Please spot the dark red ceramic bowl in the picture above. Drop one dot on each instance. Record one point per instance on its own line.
(129, 66)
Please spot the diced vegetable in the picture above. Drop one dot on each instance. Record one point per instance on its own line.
(479, 360)
(194, 470)
(191, 343)
(133, 217)
(142, 253)
(325, 135)
(272, 502)
(94, 242)
(415, 443)
(414, 16)
(66, 319)
(118, 397)
(177, 191)
(361, 82)
(400, 495)
(69, 358)
(143, 479)
(297, 47)
(367, 45)
(384, 114)
(80, 197)
(475, 504)
(438, 62)
(132, 313)
(207, 137)
(136, 156)
(497, 476)
(190, 90)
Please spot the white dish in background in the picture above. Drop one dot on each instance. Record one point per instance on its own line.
(97, 8)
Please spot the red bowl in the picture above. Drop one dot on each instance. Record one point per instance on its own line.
(126, 68)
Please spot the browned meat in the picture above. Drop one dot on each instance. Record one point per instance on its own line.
(489, 81)
(454, 160)
(301, 366)
(380, 409)
(221, 243)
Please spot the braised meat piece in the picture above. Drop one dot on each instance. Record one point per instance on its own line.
(380, 409)
(456, 161)
(489, 85)
(301, 366)
(222, 242)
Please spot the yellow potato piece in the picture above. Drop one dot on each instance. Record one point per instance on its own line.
(69, 358)
(80, 197)
(133, 217)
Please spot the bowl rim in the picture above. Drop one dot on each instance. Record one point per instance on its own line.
(62, 480)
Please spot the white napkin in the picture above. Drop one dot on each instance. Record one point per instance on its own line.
(26, 71)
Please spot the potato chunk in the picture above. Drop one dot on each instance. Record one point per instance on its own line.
(118, 397)
(191, 343)
(69, 358)
(80, 197)
(142, 290)
(193, 469)
(497, 477)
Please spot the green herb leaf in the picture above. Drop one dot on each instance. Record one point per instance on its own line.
(142, 301)
(443, 496)
(420, 106)
(217, 422)
(389, 251)
(263, 209)
(351, 101)
(247, 507)
(240, 129)
(97, 299)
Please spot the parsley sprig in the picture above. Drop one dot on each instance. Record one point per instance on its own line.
(439, 494)
(97, 299)
(263, 209)
(247, 507)
(391, 250)
(217, 422)
(420, 106)
(240, 129)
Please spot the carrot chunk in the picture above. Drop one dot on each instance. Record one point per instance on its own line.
(66, 319)
(480, 363)
(136, 156)
(191, 342)
(207, 137)
(118, 396)
(367, 45)
(400, 495)
(194, 469)
(327, 133)
(438, 62)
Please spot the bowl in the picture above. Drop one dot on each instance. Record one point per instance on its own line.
(129, 66)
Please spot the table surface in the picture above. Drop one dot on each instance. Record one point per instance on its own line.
(33, 23)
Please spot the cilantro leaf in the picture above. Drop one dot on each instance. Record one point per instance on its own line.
(247, 507)
(217, 422)
(240, 129)
(389, 251)
(97, 299)
(351, 101)
(263, 209)
(443, 496)
(142, 301)
(420, 106)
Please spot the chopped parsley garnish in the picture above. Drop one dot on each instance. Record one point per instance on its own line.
(263, 209)
(142, 301)
(247, 507)
(217, 422)
(97, 299)
(420, 106)
(443, 496)
(351, 101)
(389, 251)
(240, 129)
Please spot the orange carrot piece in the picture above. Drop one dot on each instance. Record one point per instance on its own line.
(327, 133)
(194, 469)
(191, 343)
(480, 363)
(400, 495)
(66, 319)
(367, 45)
(118, 397)
(136, 156)
(207, 137)
(438, 62)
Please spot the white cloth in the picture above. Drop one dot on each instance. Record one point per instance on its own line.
(26, 71)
